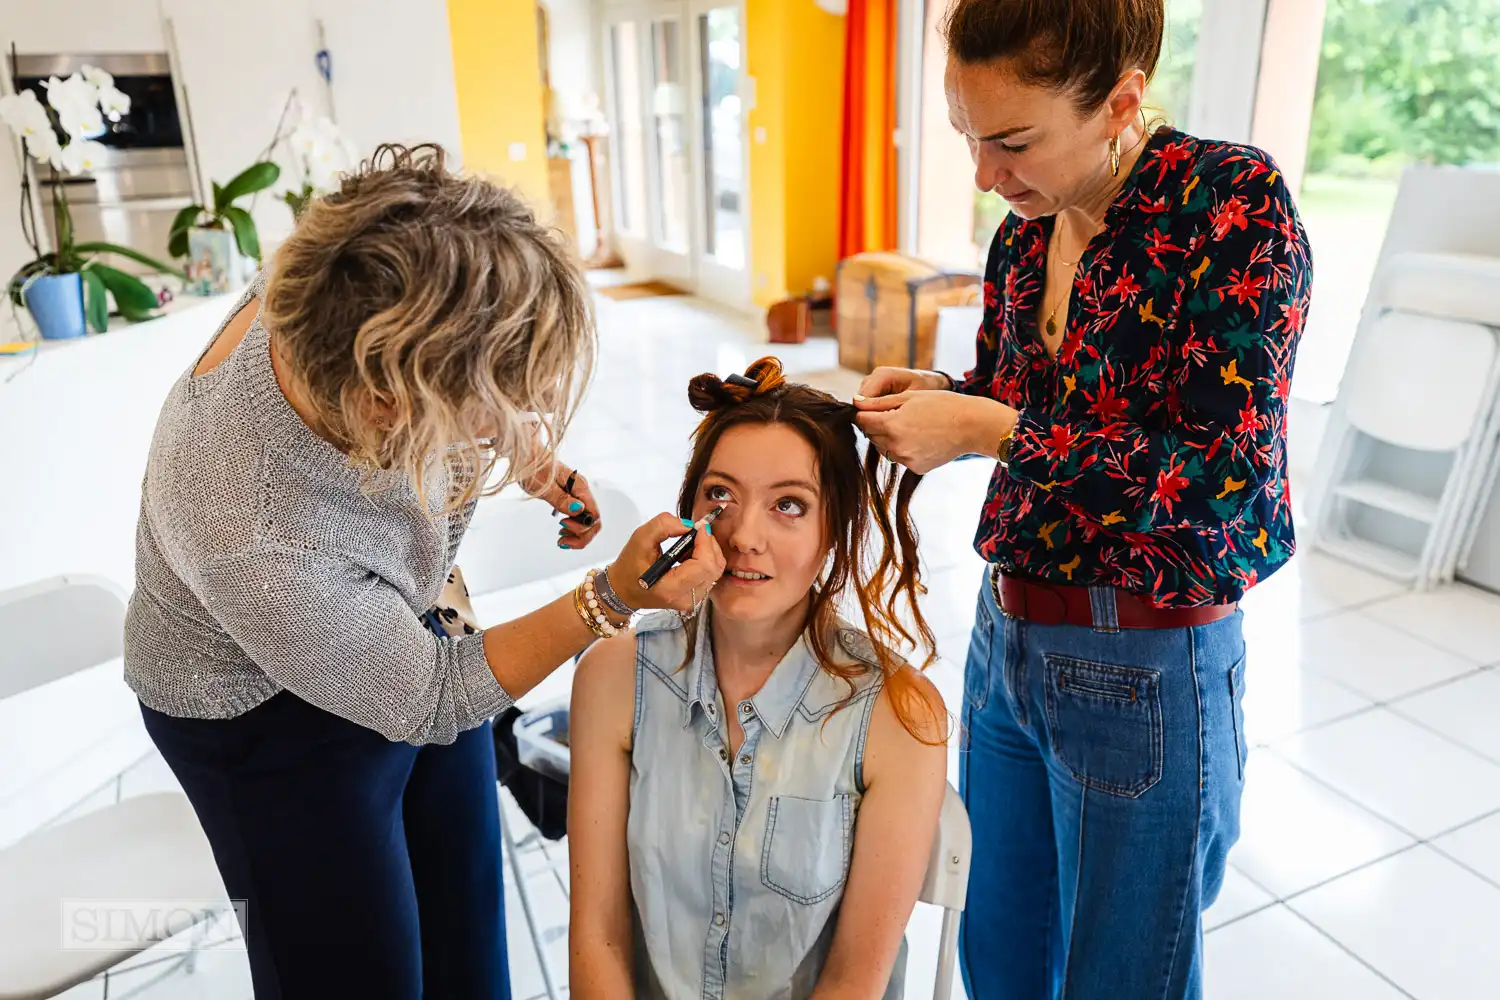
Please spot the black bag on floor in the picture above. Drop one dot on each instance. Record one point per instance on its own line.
(543, 798)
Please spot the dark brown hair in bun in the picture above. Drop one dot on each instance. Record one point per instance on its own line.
(708, 392)
(872, 539)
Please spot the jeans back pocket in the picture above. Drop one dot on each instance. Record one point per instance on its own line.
(807, 848)
(1105, 722)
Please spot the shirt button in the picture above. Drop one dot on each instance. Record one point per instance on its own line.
(723, 754)
(719, 919)
(747, 710)
(723, 838)
(744, 758)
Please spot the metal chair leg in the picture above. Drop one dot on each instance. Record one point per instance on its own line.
(548, 979)
(947, 956)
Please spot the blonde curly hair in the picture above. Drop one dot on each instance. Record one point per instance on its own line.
(432, 321)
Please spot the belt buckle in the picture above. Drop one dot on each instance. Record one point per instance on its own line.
(995, 590)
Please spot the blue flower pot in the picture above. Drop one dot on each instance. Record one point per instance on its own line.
(56, 303)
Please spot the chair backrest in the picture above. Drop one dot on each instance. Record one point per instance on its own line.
(947, 880)
(1420, 382)
(512, 540)
(57, 627)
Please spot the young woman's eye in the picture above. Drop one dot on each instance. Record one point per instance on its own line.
(717, 493)
(1020, 148)
(791, 506)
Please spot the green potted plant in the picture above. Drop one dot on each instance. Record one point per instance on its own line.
(67, 289)
(216, 238)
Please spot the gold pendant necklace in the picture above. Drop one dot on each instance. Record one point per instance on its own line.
(1050, 324)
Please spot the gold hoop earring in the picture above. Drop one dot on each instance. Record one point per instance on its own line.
(1114, 157)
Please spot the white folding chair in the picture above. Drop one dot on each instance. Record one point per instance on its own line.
(150, 847)
(947, 884)
(512, 541)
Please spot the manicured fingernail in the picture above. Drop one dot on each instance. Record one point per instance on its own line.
(708, 528)
(561, 544)
(575, 507)
(687, 523)
(859, 399)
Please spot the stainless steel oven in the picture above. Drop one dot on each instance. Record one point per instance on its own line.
(132, 197)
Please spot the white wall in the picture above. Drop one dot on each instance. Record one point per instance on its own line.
(392, 71)
(237, 64)
(81, 26)
(571, 49)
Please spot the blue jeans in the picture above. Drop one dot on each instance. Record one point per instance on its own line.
(371, 868)
(1102, 777)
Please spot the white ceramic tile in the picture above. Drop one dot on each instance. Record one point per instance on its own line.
(1282, 696)
(150, 775)
(1476, 845)
(1399, 771)
(1238, 896)
(1468, 710)
(1458, 618)
(1421, 920)
(1315, 584)
(1296, 833)
(1372, 658)
(1273, 955)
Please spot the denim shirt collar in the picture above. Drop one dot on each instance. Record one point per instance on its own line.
(777, 698)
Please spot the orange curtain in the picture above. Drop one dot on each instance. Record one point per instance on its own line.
(867, 192)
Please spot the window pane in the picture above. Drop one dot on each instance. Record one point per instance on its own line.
(629, 146)
(668, 104)
(723, 124)
(1171, 87)
(1399, 82)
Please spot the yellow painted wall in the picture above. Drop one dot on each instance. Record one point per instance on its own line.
(795, 52)
(498, 79)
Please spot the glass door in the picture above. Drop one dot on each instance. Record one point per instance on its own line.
(676, 83)
(718, 37)
(669, 128)
(629, 146)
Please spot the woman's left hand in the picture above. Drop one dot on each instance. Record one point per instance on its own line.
(568, 493)
(923, 429)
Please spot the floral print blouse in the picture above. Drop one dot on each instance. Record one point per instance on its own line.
(1151, 453)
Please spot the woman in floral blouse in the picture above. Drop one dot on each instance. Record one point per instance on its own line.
(1143, 302)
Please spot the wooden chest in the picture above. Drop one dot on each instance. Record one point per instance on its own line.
(888, 309)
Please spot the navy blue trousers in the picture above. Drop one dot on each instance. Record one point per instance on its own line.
(370, 869)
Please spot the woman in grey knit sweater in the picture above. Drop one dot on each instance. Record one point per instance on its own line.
(419, 340)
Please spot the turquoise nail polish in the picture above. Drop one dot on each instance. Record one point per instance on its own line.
(575, 506)
(708, 528)
(561, 545)
(687, 523)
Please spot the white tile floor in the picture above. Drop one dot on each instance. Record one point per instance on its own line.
(1369, 862)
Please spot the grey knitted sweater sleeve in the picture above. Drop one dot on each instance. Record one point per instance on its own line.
(343, 639)
(265, 563)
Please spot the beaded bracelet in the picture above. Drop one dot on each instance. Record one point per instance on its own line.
(608, 597)
(586, 601)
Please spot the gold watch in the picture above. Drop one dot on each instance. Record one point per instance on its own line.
(1002, 451)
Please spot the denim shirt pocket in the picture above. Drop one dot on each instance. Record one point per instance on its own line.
(1106, 723)
(807, 849)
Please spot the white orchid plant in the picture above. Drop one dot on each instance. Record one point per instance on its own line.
(60, 137)
(319, 155)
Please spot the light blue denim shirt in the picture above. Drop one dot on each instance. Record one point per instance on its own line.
(738, 864)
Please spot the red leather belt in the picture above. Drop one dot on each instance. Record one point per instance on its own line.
(1065, 604)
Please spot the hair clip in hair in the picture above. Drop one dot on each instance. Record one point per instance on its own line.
(742, 382)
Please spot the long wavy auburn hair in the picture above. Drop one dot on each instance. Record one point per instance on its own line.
(867, 525)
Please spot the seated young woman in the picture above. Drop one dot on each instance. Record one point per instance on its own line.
(755, 788)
